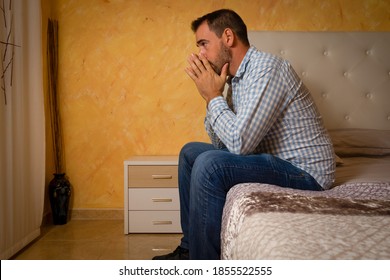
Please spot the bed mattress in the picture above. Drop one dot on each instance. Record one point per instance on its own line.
(349, 221)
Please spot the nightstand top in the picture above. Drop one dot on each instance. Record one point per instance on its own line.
(152, 160)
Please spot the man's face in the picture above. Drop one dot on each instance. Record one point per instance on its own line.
(212, 47)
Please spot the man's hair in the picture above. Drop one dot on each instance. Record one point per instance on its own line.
(219, 20)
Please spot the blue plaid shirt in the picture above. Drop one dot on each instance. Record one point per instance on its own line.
(272, 112)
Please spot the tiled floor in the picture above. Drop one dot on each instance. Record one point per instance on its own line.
(97, 240)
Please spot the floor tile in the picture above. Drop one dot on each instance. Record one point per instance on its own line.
(97, 240)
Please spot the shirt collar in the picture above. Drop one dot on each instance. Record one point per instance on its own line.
(242, 68)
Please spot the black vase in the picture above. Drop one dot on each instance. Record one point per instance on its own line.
(59, 195)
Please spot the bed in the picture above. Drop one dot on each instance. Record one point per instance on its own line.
(348, 74)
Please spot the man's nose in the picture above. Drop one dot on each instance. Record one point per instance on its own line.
(202, 52)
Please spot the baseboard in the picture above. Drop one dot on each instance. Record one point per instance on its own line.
(97, 214)
(19, 245)
(47, 219)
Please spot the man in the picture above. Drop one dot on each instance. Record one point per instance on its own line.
(266, 130)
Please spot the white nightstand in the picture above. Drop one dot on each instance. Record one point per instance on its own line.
(151, 195)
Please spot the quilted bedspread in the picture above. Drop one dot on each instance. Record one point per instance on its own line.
(349, 221)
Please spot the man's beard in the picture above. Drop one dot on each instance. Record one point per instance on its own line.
(224, 57)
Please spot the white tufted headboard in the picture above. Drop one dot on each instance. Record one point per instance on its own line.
(348, 73)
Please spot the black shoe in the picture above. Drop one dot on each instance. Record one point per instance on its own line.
(179, 254)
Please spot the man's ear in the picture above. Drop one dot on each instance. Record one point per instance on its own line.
(229, 37)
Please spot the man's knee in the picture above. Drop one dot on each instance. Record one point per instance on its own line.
(186, 148)
(208, 161)
(192, 150)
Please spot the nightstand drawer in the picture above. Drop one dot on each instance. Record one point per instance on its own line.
(153, 176)
(154, 221)
(154, 199)
(151, 194)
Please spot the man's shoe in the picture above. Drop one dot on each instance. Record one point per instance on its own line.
(179, 254)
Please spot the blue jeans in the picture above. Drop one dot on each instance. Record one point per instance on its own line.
(207, 174)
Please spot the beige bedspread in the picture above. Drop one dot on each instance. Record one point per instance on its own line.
(350, 221)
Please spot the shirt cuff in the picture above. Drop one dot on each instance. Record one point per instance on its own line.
(215, 108)
(217, 103)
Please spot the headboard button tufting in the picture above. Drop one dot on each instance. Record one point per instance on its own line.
(348, 73)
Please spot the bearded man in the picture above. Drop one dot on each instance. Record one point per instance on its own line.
(267, 129)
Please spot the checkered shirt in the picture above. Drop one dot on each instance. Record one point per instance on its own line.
(272, 112)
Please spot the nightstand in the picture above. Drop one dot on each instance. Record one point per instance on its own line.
(151, 195)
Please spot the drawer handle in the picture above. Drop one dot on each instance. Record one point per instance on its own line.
(159, 223)
(162, 199)
(161, 177)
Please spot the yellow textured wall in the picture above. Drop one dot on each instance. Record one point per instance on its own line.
(122, 86)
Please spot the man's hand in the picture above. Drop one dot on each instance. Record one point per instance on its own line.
(208, 82)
